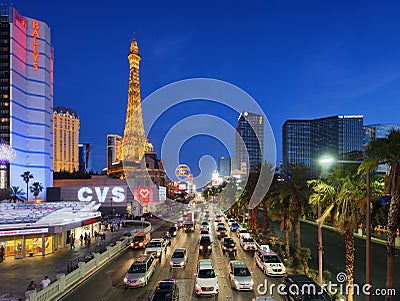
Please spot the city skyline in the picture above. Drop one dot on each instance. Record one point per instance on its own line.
(295, 70)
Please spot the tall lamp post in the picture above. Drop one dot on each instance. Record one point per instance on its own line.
(368, 261)
(325, 162)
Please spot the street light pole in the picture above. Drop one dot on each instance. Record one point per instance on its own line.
(368, 261)
(111, 206)
(319, 246)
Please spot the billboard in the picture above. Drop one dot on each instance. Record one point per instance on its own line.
(144, 195)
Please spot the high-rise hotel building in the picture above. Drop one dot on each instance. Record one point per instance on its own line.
(66, 126)
(26, 95)
(249, 142)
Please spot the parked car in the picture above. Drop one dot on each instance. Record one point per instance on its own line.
(240, 276)
(269, 262)
(166, 290)
(178, 258)
(206, 282)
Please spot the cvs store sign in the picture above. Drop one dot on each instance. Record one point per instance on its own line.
(104, 194)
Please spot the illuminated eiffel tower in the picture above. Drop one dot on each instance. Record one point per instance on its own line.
(134, 142)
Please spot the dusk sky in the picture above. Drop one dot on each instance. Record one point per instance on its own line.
(297, 59)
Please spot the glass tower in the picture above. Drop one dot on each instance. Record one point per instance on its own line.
(304, 141)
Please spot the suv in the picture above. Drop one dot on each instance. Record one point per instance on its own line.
(240, 276)
(247, 243)
(268, 261)
(205, 244)
(228, 245)
(206, 279)
(155, 247)
(166, 290)
(302, 287)
(140, 240)
(140, 271)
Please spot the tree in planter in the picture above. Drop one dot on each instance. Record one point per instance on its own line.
(305, 256)
(36, 188)
(26, 176)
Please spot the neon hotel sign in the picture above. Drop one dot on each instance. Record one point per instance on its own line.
(35, 52)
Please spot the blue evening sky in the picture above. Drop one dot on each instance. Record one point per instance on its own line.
(298, 59)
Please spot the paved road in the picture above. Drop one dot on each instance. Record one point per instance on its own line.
(107, 283)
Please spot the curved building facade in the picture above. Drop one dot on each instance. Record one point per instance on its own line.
(26, 99)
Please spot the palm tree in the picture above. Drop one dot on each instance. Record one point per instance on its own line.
(36, 188)
(343, 198)
(295, 189)
(26, 176)
(387, 150)
(305, 256)
(15, 194)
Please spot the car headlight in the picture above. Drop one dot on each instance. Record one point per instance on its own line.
(251, 282)
(141, 244)
(171, 263)
(197, 287)
(201, 247)
(125, 279)
(234, 248)
(209, 247)
(236, 283)
(142, 279)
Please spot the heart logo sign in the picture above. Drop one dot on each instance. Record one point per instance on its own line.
(144, 192)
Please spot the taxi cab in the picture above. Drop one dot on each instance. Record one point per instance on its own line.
(268, 261)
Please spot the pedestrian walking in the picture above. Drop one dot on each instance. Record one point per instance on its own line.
(85, 238)
(31, 286)
(1, 253)
(72, 243)
(45, 282)
(81, 238)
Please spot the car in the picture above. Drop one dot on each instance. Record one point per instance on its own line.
(188, 226)
(178, 258)
(204, 231)
(268, 261)
(241, 231)
(147, 215)
(301, 287)
(173, 231)
(156, 247)
(166, 290)
(140, 240)
(140, 271)
(228, 245)
(218, 218)
(179, 223)
(240, 276)
(220, 224)
(234, 226)
(205, 244)
(263, 298)
(204, 224)
(247, 243)
(206, 282)
(230, 221)
(221, 232)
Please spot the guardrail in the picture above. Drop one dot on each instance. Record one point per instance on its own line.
(67, 282)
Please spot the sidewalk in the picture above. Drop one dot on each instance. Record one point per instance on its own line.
(18, 273)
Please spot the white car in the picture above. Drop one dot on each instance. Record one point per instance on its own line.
(206, 279)
(269, 262)
(247, 242)
(155, 247)
(241, 231)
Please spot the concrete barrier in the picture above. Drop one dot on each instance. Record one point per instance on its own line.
(67, 282)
